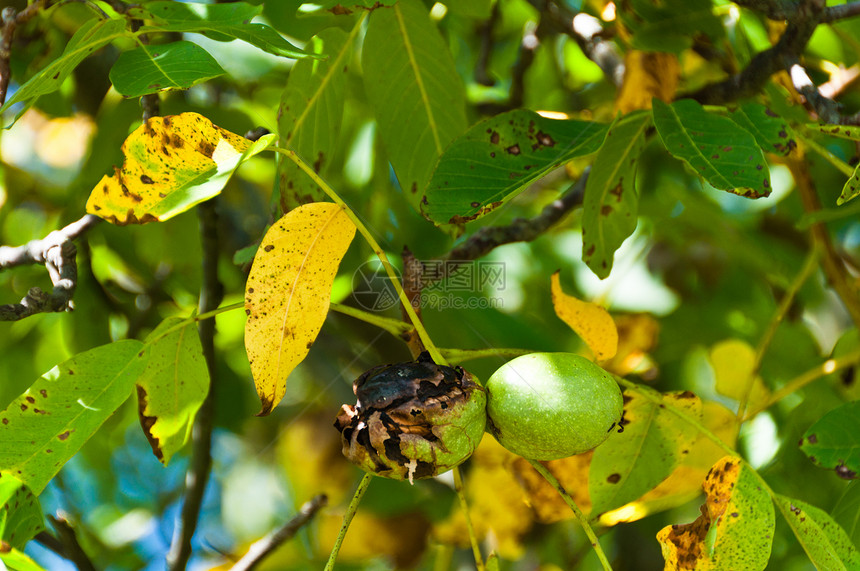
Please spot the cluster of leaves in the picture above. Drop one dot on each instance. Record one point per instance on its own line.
(386, 86)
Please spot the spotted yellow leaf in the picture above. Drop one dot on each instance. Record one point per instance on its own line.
(735, 530)
(288, 292)
(171, 163)
(589, 320)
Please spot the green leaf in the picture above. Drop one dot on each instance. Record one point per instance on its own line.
(415, 90)
(171, 163)
(92, 35)
(720, 151)
(44, 427)
(851, 188)
(825, 542)
(847, 511)
(311, 114)
(222, 22)
(149, 69)
(173, 386)
(17, 560)
(611, 198)
(498, 158)
(834, 441)
(735, 530)
(20, 512)
(670, 25)
(771, 131)
(633, 461)
(851, 132)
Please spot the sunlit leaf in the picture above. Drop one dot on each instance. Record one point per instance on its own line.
(171, 163)
(611, 201)
(288, 292)
(590, 321)
(824, 540)
(20, 512)
(715, 147)
(17, 560)
(685, 481)
(733, 361)
(172, 387)
(851, 188)
(44, 427)
(735, 530)
(92, 35)
(498, 158)
(218, 21)
(311, 114)
(649, 444)
(771, 131)
(416, 93)
(637, 336)
(647, 75)
(148, 69)
(834, 441)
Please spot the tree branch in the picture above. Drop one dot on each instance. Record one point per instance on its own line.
(264, 547)
(485, 32)
(211, 294)
(57, 253)
(72, 550)
(488, 238)
(841, 12)
(764, 64)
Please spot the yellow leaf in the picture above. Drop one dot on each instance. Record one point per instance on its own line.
(571, 473)
(637, 335)
(171, 163)
(590, 321)
(497, 503)
(735, 529)
(647, 75)
(288, 292)
(733, 362)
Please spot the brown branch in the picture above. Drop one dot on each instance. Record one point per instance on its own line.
(587, 32)
(834, 268)
(488, 238)
(57, 253)
(72, 550)
(211, 294)
(825, 108)
(485, 51)
(264, 547)
(841, 12)
(413, 282)
(764, 64)
(10, 21)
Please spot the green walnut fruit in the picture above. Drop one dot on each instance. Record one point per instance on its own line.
(547, 406)
(413, 420)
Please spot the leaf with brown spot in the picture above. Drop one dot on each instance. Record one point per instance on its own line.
(824, 540)
(590, 321)
(172, 387)
(611, 202)
(733, 361)
(634, 461)
(832, 442)
(169, 152)
(82, 393)
(288, 292)
(735, 530)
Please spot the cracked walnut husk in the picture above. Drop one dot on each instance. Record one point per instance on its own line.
(412, 420)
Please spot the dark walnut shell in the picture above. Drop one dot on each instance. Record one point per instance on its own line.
(412, 420)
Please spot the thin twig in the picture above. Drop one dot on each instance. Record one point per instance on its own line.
(834, 269)
(10, 21)
(764, 64)
(264, 547)
(827, 110)
(71, 548)
(347, 519)
(413, 282)
(51, 542)
(57, 253)
(464, 505)
(841, 11)
(211, 294)
(485, 33)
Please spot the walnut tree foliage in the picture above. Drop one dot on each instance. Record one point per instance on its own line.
(236, 202)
